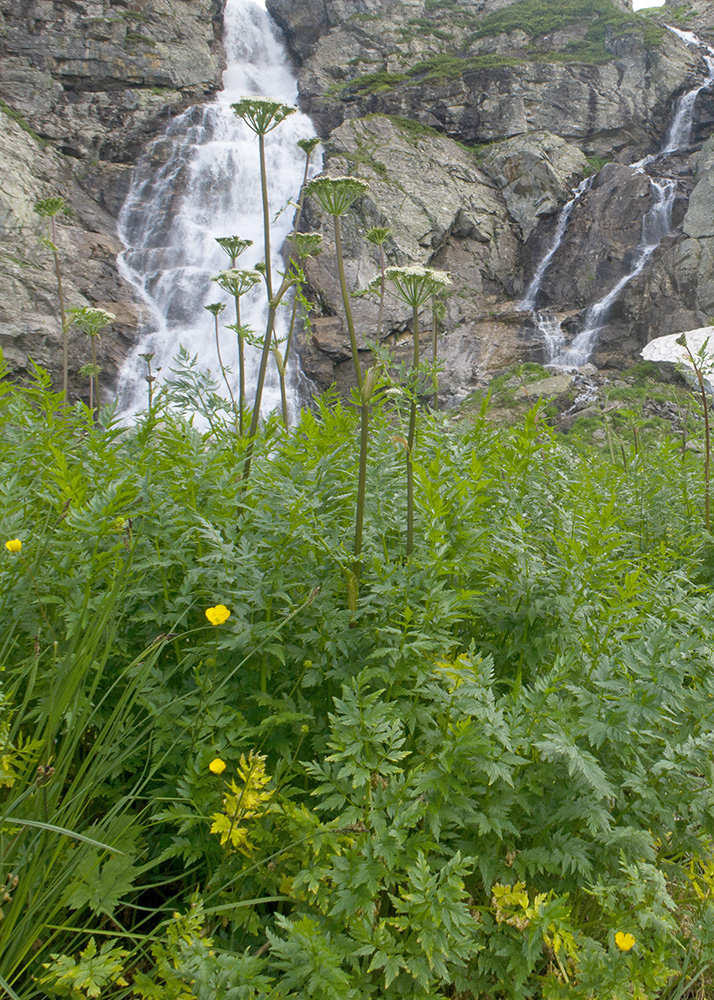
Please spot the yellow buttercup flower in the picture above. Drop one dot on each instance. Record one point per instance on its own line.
(13, 545)
(624, 941)
(217, 766)
(218, 615)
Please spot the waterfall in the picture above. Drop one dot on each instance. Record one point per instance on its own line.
(656, 224)
(201, 180)
(529, 299)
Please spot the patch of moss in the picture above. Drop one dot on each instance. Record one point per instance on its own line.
(19, 120)
(367, 160)
(134, 38)
(679, 15)
(595, 164)
(413, 129)
(417, 131)
(134, 15)
(446, 67)
(373, 83)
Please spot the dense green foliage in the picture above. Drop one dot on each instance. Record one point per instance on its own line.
(479, 783)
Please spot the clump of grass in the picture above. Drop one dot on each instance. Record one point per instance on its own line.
(16, 117)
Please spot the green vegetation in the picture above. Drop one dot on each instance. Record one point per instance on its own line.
(19, 120)
(372, 83)
(539, 17)
(136, 38)
(595, 164)
(494, 778)
(536, 18)
(444, 67)
(432, 70)
(279, 722)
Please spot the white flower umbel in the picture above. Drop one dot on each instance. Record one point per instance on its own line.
(337, 194)
(416, 284)
(262, 114)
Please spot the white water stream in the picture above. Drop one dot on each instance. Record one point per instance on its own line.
(656, 224)
(199, 181)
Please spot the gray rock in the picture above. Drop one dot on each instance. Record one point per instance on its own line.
(699, 220)
(556, 385)
(535, 173)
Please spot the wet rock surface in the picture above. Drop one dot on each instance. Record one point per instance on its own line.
(471, 131)
(540, 112)
(83, 88)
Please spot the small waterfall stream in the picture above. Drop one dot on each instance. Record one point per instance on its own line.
(198, 181)
(656, 224)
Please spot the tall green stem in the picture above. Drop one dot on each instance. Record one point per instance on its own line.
(434, 346)
(95, 372)
(63, 318)
(380, 317)
(707, 451)
(361, 485)
(280, 365)
(346, 302)
(410, 438)
(272, 309)
(220, 362)
(241, 368)
(267, 343)
(266, 215)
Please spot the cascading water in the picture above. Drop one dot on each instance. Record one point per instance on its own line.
(656, 224)
(200, 181)
(529, 299)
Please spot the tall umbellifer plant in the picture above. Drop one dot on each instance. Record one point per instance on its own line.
(49, 209)
(303, 246)
(262, 115)
(336, 195)
(414, 285)
(378, 236)
(703, 363)
(237, 281)
(92, 321)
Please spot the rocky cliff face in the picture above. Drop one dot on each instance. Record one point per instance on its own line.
(84, 85)
(472, 121)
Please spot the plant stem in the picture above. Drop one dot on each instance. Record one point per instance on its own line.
(241, 368)
(434, 347)
(266, 215)
(267, 343)
(280, 365)
(95, 371)
(346, 302)
(410, 439)
(382, 266)
(707, 450)
(361, 486)
(60, 295)
(293, 317)
(220, 362)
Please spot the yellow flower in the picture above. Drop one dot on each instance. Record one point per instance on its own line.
(218, 615)
(13, 545)
(217, 766)
(624, 941)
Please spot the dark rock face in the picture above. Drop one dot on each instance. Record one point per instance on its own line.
(396, 87)
(84, 86)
